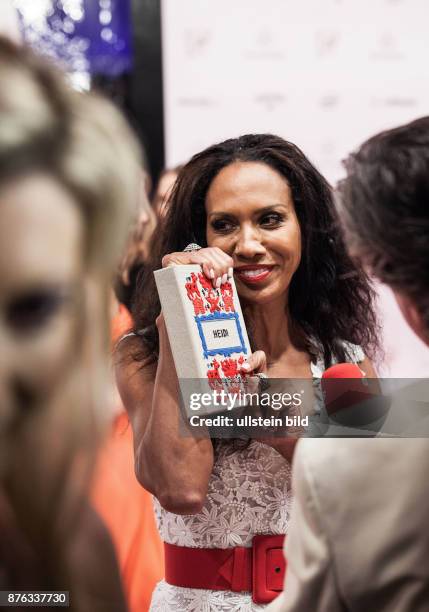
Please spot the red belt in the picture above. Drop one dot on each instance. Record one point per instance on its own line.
(259, 569)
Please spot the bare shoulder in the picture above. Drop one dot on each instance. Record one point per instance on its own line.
(368, 367)
(130, 360)
(370, 372)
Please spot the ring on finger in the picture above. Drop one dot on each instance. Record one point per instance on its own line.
(192, 246)
(264, 383)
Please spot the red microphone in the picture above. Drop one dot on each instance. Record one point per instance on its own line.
(348, 396)
(343, 370)
(342, 386)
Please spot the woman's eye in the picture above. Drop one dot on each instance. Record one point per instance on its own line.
(29, 312)
(271, 219)
(222, 225)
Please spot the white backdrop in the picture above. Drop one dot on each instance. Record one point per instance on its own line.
(324, 74)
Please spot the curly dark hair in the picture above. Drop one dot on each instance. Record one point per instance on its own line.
(385, 202)
(331, 299)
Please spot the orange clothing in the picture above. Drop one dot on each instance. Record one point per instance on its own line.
(125, 506)
(127, 511)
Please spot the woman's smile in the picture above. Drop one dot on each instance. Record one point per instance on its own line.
(253, 275)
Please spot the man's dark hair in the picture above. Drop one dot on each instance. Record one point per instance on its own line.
(385, 202)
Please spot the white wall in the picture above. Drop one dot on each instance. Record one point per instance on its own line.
(324, 74)
(406, 355)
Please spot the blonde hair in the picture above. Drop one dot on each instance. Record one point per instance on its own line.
(83, 142)
(80, 138)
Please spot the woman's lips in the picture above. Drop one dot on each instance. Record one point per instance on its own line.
(253, 274)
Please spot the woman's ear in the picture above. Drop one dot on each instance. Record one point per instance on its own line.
(412, 316)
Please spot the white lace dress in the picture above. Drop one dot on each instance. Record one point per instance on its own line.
(248, 494)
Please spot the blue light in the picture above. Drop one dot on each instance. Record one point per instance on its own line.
(84, 36)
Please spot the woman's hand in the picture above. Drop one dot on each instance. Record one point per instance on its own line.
(257, 364)
(216, 265)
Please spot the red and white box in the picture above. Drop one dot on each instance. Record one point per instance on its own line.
(205, 327)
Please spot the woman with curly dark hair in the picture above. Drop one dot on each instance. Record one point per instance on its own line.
(262, 212)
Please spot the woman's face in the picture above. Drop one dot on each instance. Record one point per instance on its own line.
(251, 216)
(41, 263)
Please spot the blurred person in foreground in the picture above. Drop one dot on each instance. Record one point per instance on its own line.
(116, 492)
(135, 254)
(358, 538)
(68, 184)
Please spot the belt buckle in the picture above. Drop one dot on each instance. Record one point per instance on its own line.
(269, 567)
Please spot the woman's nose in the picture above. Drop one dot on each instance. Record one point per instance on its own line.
(249, 244)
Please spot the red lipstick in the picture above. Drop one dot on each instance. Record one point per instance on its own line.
(253, 274)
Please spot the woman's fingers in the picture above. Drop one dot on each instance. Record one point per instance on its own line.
(208, 271)
(256, 363)
(222, 263)
(217, 265)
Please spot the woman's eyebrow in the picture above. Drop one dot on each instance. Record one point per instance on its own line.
(220, 213)
(259, 211)
(271, 207)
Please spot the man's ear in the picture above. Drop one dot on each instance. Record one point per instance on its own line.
(412, 316)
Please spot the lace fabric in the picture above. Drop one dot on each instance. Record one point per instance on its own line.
(249, 493)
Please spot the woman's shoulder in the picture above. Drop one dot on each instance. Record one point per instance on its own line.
(132, 353)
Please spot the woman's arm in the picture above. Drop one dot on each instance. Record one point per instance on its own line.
(174, 466)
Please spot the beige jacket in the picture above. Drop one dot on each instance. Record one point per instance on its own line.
(359, 531)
